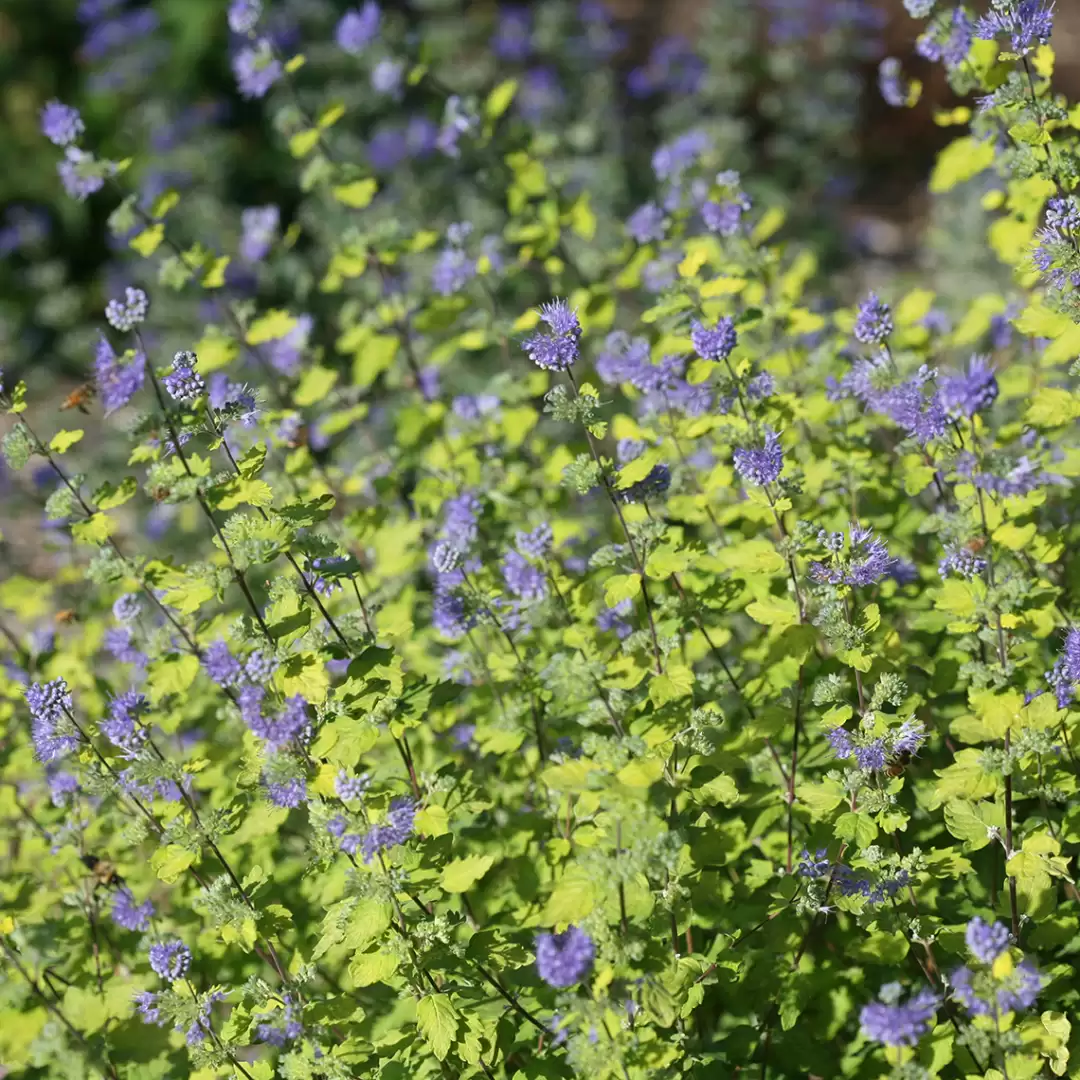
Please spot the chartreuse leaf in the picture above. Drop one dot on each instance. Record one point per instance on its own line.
(63, 441)
(462, 874)
(437, 1021)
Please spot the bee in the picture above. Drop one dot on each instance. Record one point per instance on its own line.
(976, 544)
(103, 871)
(68, 615)
(80, 398)
(897, 767)
(300, 438)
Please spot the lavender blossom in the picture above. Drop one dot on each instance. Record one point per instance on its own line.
(357, 29)
(986, 941)
(124, 315)
(170, 959)
(392, 831)
(61, 124)
(48, 704)
(1028, 23)
(220, 664)
(256, 69)
(122, 727)
(564, 959)
(117, 382)
(288, 794)
(761, 465)
(972, 392)
(557, 350)
(129, 915)
(647, 223)
(888, 1022)
(523, 579)
(715, 344)
(259, 226)
(874, 323)
(183, 383)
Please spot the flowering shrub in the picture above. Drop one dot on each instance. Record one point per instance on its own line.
(531, 644)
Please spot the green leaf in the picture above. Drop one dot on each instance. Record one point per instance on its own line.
(856, 827)
(499, 99)
(370, 920)
(437, 1021)
(573, 898)
(239, 491)
(304, 674)
(433, 821)
(108, 497)
(172, 675)
(621, 587)
(969, 822)
(170, 862)
(375, 357)
(271, 326)
(960, 161)
(356, 194)
(677, 682)
(148, 241)
(821, 798)
(303, 142)
(1014, 537)
(635, 471)
(462, 874)
(314, 386)
(63, 441)
(641, 772)
(370, 968)
(773, 611)
(1052, 406)
(720, 789)
(95, 530)
(667, 560)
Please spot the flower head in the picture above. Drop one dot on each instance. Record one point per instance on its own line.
(81, 173)
(1028, 23)
(221, 665)
(564, 959)
(889, 1022)
(986, 941)
(117, 382)
(259, 225)
(523, 579)
(126, 608)
(124, 315)
(715, 344)
(170, 959)
(256, 69)
(357, 29)
(129, 915)
(647, 223)
(969, 392)
(244, 15)
(61, 124)
(49, 703)
(761, 465)
(122, 727)
(288, 794)
(393, 830)
(183, 382)
(874, 323)
(557, 350)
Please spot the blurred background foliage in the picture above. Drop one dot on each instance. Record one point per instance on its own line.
(787, 87)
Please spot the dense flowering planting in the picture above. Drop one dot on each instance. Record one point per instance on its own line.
(523, 639)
